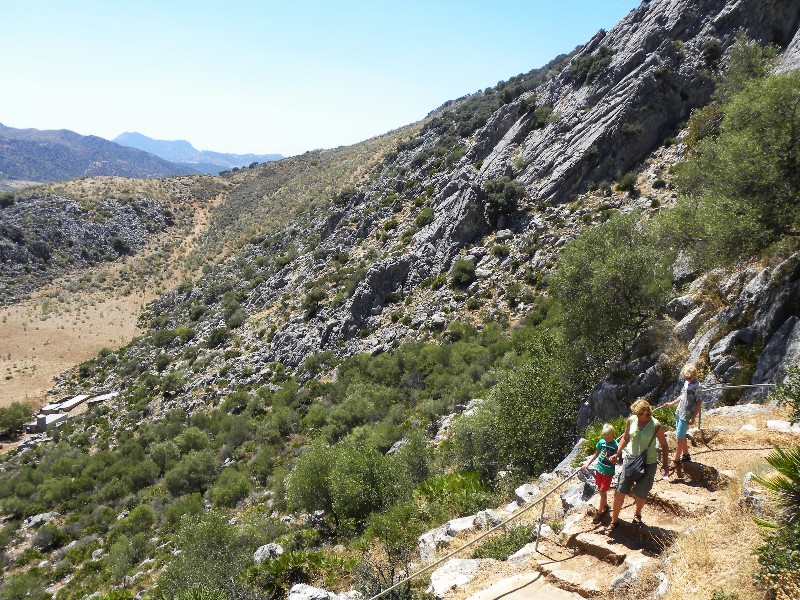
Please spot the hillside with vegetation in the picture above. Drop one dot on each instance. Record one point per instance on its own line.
(41, 155)
(182, 152)
(362, 344)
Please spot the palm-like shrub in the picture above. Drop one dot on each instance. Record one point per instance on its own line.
(779, 557)
(785, 484)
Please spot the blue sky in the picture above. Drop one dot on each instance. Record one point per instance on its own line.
(270, 76)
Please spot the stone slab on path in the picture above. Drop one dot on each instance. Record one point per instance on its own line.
(582, 574)
(526, 586)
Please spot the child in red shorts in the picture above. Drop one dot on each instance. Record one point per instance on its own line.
(604, 470)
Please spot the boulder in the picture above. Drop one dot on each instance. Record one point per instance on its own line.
(455, 573)
(577, 494)
(40, 519)
(456, 526)
(267, 552)
(433, 541)
(486, 519)
(525, 493)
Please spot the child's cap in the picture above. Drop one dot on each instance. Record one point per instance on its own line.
(608, 430)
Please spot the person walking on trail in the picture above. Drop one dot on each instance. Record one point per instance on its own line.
(688, 409)
(640, 431)
(604, 470)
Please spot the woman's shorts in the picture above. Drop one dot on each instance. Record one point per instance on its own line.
(681, 427)
(642, 487)
(603, 482)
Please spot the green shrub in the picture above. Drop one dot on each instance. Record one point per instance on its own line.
(779, 557)
(49, 536)
(348, 481)
(191, 504)
(126, 552)
(462, 273)
(192, 474)
(211, 555)
(140, 520)
(164, 337)
(424, 217)
(505, 544)
(231, 487)
(277, 576)
(627, 183)
(192, 439)
(456, 494)
(739, 187)
(435, 282)
(611, 281)
(587, 68)
(162, 362)
(526, 420)
(14, 417)
(23, 586)
(787, 393)
(217, 337)
(541, 115)
(313, 299)
(500, 250)
(502, 198)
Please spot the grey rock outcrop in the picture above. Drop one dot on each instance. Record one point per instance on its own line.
(760, 312)
(657, 62)
(44, 235)
(657, 72)
(267, 552)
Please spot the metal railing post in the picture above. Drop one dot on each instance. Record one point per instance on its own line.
(539, 529)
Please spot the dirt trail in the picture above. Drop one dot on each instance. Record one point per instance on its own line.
(75, 317)
(697, 536)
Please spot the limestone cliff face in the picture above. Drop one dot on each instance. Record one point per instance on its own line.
(381, 255)
(659, 63)
(744, 325)
(662, 56)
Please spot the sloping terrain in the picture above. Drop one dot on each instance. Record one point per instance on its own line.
(55, 155)
(698, 537)
(319, 319)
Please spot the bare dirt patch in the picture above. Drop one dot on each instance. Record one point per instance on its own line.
(70, 321)
(38, 344)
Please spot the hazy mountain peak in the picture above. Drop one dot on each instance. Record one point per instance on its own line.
(182, 151)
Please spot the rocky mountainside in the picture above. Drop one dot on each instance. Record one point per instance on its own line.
(182, 152)
(428, 205)
(49, 231)
(55, 155)
(371, 271)
(339, 310)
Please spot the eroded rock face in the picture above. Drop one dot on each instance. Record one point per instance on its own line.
(761, 314)
(657, 74)
(45, 235)
(662, 55)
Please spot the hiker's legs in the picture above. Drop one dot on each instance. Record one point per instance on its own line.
(619, 500)
(640, 502)
(603, 501)
(681, 447)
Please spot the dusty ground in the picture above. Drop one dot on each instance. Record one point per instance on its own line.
(75, 317)
(39, 343)
(715, 552)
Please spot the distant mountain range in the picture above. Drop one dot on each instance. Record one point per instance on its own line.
(182, 152)
(56, 155)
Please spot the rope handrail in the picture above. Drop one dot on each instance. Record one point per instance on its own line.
(530, 506)
(480, 537)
